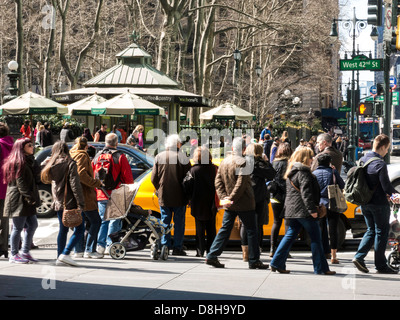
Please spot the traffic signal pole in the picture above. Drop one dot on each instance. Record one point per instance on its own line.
(388, 96)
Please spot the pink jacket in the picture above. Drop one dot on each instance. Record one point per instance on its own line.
(6, 144)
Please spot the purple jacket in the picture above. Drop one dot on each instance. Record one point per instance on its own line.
(6, 144)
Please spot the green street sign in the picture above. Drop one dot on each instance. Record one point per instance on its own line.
(395, 98)
(345, 109)
(361, 63)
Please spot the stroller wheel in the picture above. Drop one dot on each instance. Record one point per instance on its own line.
(154, 254)
(164, 252)
(393, 260)
(117, 251)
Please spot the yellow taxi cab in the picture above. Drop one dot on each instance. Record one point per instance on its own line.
(146, 198)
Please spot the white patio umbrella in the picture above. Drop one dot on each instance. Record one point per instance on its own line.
(84, 107)
(127, 104)
(227, 111)
(32, 103)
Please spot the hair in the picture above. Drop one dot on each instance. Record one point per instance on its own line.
(41, 127)
(284, 151)
(114, 128)
(139, 128)
(285, 135)
(46, 125)
(59, 150)
(4, 130)
(81, 143)
(172, 141)
(254, 149)
(380, 141)
(15, 162)
(326, 137)
(324, 159)
(238, 145)
(86, 132)
(111, 139)
(200, 154)
(301, 155)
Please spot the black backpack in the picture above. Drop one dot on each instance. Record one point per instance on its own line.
(356, 189)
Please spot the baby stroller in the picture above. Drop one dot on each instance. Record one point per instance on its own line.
(139, 227)
(393, 258)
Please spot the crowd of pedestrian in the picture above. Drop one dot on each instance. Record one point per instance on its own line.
(248, 178)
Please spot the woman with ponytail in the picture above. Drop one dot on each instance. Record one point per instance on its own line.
(89, 183)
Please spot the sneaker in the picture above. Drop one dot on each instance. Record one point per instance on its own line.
(100, 249)
(18, 259)
(67, 259)
(28, 257)
(93, 255)
(78, 255)
(360, 265)
(107, 250)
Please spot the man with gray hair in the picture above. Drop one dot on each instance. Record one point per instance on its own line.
(111, 167)
(169, 170)
(324, 144)
(234, 188)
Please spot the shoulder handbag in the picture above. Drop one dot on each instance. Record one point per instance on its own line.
(71, 218)
(337, 201)
(321, 209)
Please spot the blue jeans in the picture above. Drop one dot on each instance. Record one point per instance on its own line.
(248, 218)
(17, 227)
(311, 225)
(106, 227)
(94, 227)
(178, 214)
(62, 246)
(377, 220)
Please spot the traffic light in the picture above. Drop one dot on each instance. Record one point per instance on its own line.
(375, 12)
(380, 89)
(378, 109)
(366, 108)
(396, 36)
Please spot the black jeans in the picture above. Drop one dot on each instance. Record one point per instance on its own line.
(203, 228)
(222, 238)
(331, 219)
(277, 209)
(261, 212)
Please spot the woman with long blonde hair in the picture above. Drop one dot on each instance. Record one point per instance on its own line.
(302, 199)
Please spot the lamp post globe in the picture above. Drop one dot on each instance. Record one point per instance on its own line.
(13, 65)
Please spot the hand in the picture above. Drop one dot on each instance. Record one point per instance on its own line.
(314, 215)
(226, 203)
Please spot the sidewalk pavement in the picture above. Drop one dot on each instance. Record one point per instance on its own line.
(137, 277)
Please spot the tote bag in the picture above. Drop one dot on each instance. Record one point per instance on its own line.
(337, 201)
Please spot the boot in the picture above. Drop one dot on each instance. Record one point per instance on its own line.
(245, 251)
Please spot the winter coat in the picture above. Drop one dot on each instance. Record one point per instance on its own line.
(301, 204)
(262, 172)
(66, 135)
(6, 144)
(58, 173)
(324, 176)
(203, 198)
(169, 170)
(22, 196)
(280, 166)
(233, 181)
(86, 176)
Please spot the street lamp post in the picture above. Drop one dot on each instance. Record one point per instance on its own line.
(13, 78)
(354, 26)
(237, 56)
